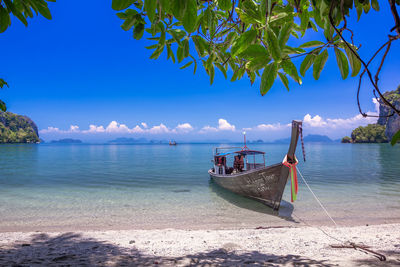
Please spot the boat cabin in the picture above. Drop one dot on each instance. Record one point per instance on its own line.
(228, 163)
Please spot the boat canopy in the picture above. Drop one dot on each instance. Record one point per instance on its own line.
(249, 152)
(242, 152)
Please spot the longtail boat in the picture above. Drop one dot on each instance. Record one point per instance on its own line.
(253, 179)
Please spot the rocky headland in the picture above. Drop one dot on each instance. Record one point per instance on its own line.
(385, 128)
(17, 129)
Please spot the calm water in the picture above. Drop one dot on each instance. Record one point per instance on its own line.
(62, 187)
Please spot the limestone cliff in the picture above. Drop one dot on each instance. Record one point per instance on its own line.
(392, 123)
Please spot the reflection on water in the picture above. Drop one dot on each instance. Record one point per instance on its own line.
(139, 186)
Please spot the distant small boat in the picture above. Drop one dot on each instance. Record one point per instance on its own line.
(172, 143)
(253, 179)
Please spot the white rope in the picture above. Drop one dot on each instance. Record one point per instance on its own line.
(316, 198)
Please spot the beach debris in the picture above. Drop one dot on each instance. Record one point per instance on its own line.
(364, 248)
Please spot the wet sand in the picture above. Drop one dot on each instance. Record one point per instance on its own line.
(274, 246)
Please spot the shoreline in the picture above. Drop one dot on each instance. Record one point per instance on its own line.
(303, 245)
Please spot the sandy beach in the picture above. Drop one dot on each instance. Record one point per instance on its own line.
(275, 246)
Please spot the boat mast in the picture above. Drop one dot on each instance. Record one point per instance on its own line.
(245, 146)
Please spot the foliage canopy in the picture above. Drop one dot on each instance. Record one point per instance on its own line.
(252, 36)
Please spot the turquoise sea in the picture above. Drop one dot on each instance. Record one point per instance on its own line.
(85, 186)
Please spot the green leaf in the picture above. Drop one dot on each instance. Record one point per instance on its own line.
(305, 17)
(195, 67)
(138, 31)
(293, 50)
(121, 4)
(256, 64)
(16, 12)
(200, 44)
(319, 64)
(177, 34)
(255, 51)
(190, 16)
(3, 106)
(312, 44)
(284, 80)
(268, 77)
(355, 63)
(211, 72)
(150, 7)
(44, 10)
(3, 83)
(185, 44)
(130, 19)
(273, 44)
(225, 4)
(4, 19)
(186, 65)
(251, 10)
(156, 54)
(243, 42)
(307, 63)
(342, 63)
(291, 70)
(170, 53)
(375, 4)
(395, 138)
(222, 69)
(179, 54)
(178, 8)
(284, 35)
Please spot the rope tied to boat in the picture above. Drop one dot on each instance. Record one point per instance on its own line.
(293, 177)
(343, 244)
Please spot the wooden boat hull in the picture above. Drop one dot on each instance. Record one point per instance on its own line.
(264, 184)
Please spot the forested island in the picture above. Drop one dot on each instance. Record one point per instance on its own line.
(386, 126)
(17, 129)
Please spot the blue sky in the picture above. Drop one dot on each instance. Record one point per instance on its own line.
(82, 69)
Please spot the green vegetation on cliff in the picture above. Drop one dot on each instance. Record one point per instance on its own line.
(17, 129)
(372, 133)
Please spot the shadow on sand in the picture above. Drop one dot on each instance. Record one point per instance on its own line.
(285, 210)
(71, 249)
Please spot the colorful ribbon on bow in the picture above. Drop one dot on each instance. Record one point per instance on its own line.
(293, 176)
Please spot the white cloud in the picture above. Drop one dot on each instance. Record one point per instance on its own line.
(208, 129)
(50, 129)
(74, 128)
(159, 129)
(312, 123)
(349, 123)
(224, 125)
(115, 127)
(315, 121)
(268, 127)
(185, 128)
(94, 129)
(137, 129)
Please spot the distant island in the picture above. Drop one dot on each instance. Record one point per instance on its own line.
(311, 138)
(17, 129)
(384, 129)
(125, 140)
(66, 141)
